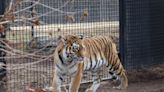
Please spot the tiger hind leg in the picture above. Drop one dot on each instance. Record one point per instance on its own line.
(123, 82)
(115, 78)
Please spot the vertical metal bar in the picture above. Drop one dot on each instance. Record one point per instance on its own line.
(3, 72)
(122, 31)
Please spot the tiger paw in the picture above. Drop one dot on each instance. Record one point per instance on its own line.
(88, 90)
(119, 87)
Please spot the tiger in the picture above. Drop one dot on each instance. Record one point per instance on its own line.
(76, 54)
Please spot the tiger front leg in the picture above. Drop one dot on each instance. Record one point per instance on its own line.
(56, 83)
(75, 83)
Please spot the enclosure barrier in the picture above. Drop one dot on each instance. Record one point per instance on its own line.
(37, 24)
(141, 33)
(137, 26)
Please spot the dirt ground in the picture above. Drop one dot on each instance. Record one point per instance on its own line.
(149, 86)
(143, 80)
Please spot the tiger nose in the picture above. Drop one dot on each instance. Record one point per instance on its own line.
(69, 54)
(75, 49)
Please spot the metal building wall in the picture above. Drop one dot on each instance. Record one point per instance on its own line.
(141, 32)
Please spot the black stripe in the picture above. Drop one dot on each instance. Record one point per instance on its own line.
(61, 59)
(73, 73)
(115, 60)
(90, 50)
(115, 63)
(114, 77)
(109, 59)
(101, 56)
(98, 62)
(111, 73)
(110, 56)
(95, 64)
(61, 78)
(58, 66)
(119, 73)
(95, 57)
(117, 66)
(103, 59)
(91, 63)
(66, 48)
(119, 55)
(72, 65)
(111, 67)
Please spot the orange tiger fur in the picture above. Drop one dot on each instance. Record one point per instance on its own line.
(73, 55)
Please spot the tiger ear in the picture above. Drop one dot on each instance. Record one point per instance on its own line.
(81, 36)
(60, 38)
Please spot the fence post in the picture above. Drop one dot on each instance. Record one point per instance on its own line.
(121, 30)
(3, 72)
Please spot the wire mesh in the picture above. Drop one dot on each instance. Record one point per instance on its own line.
(142, 33)
(39, 22)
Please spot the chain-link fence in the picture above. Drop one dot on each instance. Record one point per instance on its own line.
(141, 33)
(34, 26)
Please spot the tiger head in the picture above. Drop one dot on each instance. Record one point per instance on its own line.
(72, 48)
